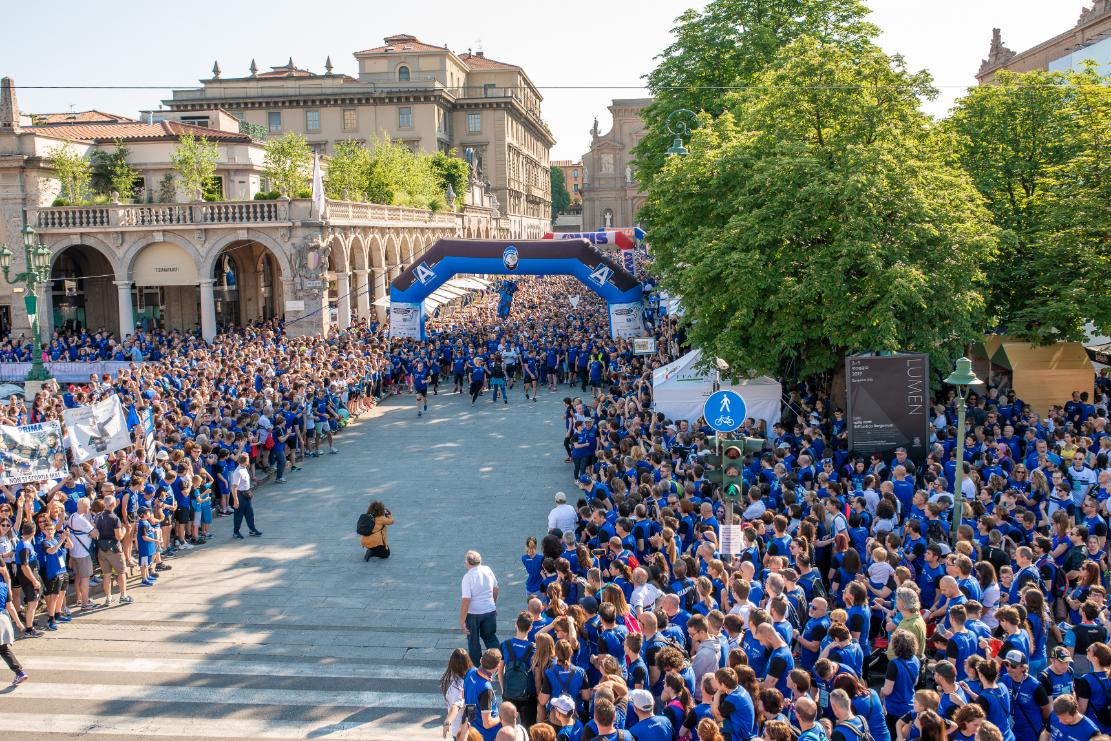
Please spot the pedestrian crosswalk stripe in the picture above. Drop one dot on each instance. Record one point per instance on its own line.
(38, 724)
(228, 695)
(229, 667)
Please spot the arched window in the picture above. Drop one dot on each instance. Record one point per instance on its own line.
(403, 73)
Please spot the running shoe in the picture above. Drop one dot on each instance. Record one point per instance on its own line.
(127, 600)
(20, 678)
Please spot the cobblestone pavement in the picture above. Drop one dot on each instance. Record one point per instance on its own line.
(292, 635)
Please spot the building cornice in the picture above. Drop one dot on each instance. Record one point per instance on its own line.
(1000, 57)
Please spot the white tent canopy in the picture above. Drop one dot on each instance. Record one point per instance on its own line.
(452, 289)
(680, 390)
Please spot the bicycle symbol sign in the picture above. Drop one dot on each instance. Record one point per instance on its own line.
(724, 411)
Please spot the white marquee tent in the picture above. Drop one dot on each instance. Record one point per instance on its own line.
(452, 289)
(680, 389)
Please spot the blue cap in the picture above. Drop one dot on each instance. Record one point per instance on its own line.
(589, 604)
(584, 479)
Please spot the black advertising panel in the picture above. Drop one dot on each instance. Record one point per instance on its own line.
(889, 403)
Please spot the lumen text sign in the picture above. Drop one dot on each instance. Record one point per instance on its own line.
(889, 403)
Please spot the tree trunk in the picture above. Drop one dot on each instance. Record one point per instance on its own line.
(838, 393)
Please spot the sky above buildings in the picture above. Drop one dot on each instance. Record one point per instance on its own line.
(581, 53)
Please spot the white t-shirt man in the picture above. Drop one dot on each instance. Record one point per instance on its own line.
(240, 479)
(563, 517)
(478, 586)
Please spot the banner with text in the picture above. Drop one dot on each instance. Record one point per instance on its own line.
(888, 400)
(32, 453)
(97, 429)
(405, 320)
(626, 320)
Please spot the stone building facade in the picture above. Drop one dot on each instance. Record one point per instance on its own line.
(187, 265)
(428, 96)
(611, 194)
(1089, 39)
(573, 178)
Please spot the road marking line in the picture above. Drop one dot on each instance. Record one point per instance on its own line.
(227, 695)
(230, 667)
(80, 725)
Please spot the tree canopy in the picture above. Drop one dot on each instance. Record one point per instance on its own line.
(1037, 146)
(818, 215)
(727, 45)
(392, 173)
(561, 199)
(194, 159)
(287, 164)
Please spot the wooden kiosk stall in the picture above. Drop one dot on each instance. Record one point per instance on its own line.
(1041, 375)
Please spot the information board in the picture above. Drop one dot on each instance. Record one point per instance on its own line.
(889, 403)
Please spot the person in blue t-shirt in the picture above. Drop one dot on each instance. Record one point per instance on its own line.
(420, 386)
(1067, 723)
(533, 562)
(54, 549)
(478, 695)
(478, 378)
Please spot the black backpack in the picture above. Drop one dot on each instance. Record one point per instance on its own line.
(517, 678)
(365, 525)
(1103, 714)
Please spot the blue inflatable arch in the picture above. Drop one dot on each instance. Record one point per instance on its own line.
(449, 257)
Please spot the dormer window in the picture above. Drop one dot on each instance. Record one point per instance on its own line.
(403, 74)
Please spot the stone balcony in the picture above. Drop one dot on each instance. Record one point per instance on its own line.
(128, 217)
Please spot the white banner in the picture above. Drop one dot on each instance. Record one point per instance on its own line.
(730, 544)
(405, 320)
(32, 453)
(97, 429)
(626, 320)
(64, 371)
(148, 435)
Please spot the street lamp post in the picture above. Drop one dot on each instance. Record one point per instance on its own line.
(34, 277)
(962, 377)
(679, 128)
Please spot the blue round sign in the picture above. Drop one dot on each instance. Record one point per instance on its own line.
(724, 411)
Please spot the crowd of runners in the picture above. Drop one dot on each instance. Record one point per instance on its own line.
(851, 611)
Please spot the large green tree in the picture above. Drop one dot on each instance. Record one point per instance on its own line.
(287, 164)
(726, 45)
(73, 171)
(561, 199)
(348, 172)
(1037, 147)
(450, 170)
(113, 174)
(194, 159)
(819, 217)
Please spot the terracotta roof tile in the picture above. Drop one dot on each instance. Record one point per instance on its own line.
(43, 119)
(476, 61)
(403, 42)
(136, 131)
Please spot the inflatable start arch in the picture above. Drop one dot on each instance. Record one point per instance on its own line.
(448, 257)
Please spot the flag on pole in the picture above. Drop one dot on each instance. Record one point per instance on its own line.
(317, 188)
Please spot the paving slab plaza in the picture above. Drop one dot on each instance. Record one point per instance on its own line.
(292, 635)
